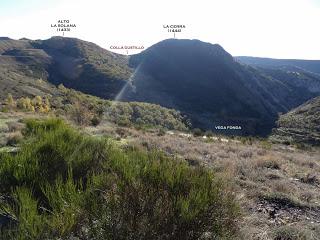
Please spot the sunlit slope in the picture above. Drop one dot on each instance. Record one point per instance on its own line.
(301, 125)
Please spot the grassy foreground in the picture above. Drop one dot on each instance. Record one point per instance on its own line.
(64, 184)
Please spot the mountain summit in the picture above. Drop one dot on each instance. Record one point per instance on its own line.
(202, 80)
(208, 84)
(75, 63)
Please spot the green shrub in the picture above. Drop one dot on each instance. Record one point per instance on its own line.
(4, 109)
(145, 115)
(37, 127)
(163, 199)
(197, 132)
(208, 133)
(266, 144)
(95, 121)
(161, 132)
(62, 182)
(24, 213)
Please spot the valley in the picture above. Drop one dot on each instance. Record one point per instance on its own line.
(201, 80)
(276, 185)
(180, 141)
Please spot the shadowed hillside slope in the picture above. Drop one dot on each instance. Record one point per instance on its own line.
(75, 63)
(199, 79)
(208, 84)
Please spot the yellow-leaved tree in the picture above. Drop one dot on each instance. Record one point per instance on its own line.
(10, 102)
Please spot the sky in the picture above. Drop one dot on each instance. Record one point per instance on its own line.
(262, 28)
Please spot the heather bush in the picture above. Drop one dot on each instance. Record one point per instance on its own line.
(63, 183)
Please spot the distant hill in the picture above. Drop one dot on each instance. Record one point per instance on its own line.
(34, 68)
(307, 65)
(301, 125)
(207, 83)
(23, 75)
(85, 66)
(75, 63)
(5, 38)
(200, 79)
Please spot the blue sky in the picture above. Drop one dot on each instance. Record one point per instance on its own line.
(264, 28)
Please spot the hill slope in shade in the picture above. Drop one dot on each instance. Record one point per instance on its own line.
(200, 79)
(208, 84)
(301, 125)
(23, 69)
(85, 66)
(75, 63)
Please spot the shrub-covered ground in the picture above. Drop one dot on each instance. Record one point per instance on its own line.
(300, 125)
(84, 110)
(277, 186)
(63, 184)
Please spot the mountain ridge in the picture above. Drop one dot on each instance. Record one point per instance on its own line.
(197, 78)
(310, 65)
(182, 61)
(75, 63)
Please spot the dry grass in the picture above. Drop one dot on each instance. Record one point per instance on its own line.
(11, 126)
(277, 185)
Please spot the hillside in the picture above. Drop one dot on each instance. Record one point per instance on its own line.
(69, 185)
(77, 166)
(208, 84)
(200, 79)
(85, 66)
(301, 125)
(23, 75)
(308, 65)
(78, 182)
(75, 63)
(300, 73)
(29, 69)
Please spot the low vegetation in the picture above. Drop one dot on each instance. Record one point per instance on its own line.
(37, 104)
(276, 185)
(86, 110)
(145, 115)
(300, 126)
(64, 184)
